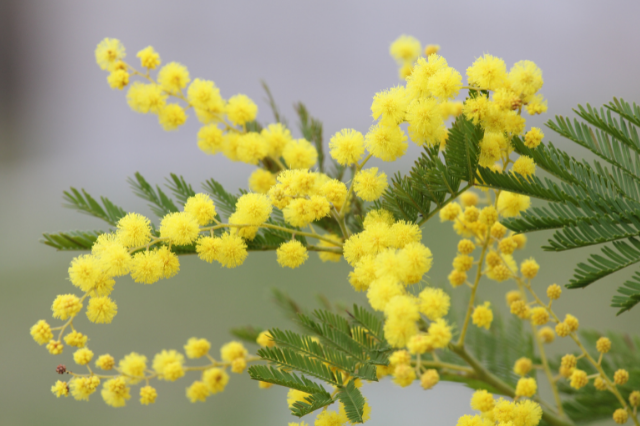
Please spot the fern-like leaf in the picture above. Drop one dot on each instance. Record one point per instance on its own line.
(291, 359)
(267, 374)
(353, 402)
(72, 240)
(630, 292)
(180, 188)
(160, 204)
(85, 203)
(311, 403)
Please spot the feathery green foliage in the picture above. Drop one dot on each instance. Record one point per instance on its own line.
(72, 240)
(353, 402)
(435, 180)
(311, 129)
(180, 188)
(247, 333)
(161, 204)
(85, 203)
(589, 204)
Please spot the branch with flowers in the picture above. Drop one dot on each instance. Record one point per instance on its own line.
(294, 208)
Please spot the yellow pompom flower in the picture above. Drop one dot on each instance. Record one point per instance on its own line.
(391, 105)
(233, 350)
(210, 139)
(149, 58)
(241, 109)
(115, 392)
(403, 233)
(620, 416)
(166, 359)
(215, 379)
(525, 78)
(634, 398)
(419, 344)
(347, 146)
(445, 84)
(171, 117)
(476, 109)
(511, 204)
(146, 267)
(405, 71)
(55, 347)
(145, 98)
(134, 366)
(429, 379)
(440, 333)
(571, 322)
(554, 291)
(434, 303)
(41, 332)
(300, 154)
(148, 395)
(620, 377)
(482, 401)
(482, 316)
(330, 418)
(101, 310)
(335, 192)
(105, 362)
(457, 278)
(133, 230)
(113, 257)
(382, 290)
(60, 389)
(423, 70)
(529, 268)
(522, 366)
(66, 306)
(197, 348)
(264, 340)
(537, 105)
(425, 122)
(294, 396)
(405, 49)
(238, 365)
(299, 212)
(205, 97)
(173, 77)
(462, 263)
(208, 248)
(450, 212)
(108, 52)
(466, 247)
(404, 375)
(490, 148)
(83, 387)
(378, 216)
(277, 137)
(387, 143)
(487, 72)
(292, 254)
(261, 181)
(202, 208)
(603, 345)
(84, 272)
(77, 339)
(539, 315)
(252, 148)
(525, 166)
(118, 79)
(469, 198)
(526, 387)
(198, 391)
(431, 49)
(253, 209)
(547, 334)
(369, 185)
(533, 138)
(233, 250)
(579, 379)
(181, 228)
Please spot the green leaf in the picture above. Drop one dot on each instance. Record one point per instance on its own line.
(247, 333)
(630, 292)
(353, 402)
(306, 346)
(334, 336)
(161, 205)
(312, 403)
(85, 203)
(311, 129)
(287, 305)
(224, 201)
(180, 188)
(272, 104)
(267, 374)
(72, 240)
(290, 359)
(368, 320)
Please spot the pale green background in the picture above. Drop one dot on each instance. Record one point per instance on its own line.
(62, 126)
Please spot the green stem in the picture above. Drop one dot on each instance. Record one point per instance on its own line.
(343, 210)
(436, 210)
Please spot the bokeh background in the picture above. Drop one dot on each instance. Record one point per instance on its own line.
(61, 126)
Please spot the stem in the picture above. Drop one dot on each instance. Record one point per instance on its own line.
(346, 200)
(545, 363)
(270, 226)
(436, 210)
(472, 299)
(491, 379)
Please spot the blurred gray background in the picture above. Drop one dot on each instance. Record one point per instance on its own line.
(61, 126)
